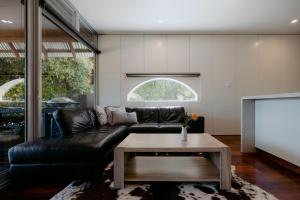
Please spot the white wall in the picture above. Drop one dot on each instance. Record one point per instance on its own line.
(277, 129)
(231, 66)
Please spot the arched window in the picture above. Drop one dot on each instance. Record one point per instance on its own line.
(162, 89)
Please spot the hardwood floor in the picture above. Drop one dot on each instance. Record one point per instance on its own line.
(256, 169)
(265, 173)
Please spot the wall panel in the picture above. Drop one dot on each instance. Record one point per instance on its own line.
(110, 70)
(277, 128)
(231, 66)
(132, 53)
(178, 53)
(155, 53)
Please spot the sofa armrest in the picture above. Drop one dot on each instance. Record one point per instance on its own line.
(196, 126)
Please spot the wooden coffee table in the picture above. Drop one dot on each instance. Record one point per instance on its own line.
(213, 166)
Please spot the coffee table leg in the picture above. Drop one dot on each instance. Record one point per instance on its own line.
(118, 168)
(225, 169)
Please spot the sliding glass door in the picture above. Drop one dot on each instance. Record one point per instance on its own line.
(12, 77)
(67, 73)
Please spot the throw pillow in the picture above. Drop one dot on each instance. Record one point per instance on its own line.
(109, 111)
(123, 118)
(101, 115)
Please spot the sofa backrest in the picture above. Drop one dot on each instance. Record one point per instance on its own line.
(145, 114)
(171, 114)
(74, 120)
(174, 114)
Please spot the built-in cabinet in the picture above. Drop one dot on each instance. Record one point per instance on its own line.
(178, 48)
(110, 70)
(231, 66)
(155, 53)
(132, 53)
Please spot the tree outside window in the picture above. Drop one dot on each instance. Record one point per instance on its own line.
(162, 89)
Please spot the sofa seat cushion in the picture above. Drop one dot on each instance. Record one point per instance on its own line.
(144, 128)
(170, 127)
(87, 146)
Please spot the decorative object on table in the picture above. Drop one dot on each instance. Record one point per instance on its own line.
(187, 118)
(183, 134)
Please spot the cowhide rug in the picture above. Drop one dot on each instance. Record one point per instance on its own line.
(103, 189)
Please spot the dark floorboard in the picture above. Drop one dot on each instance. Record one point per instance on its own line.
(265, 173)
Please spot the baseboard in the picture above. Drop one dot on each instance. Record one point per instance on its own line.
(279, 161)
(5, 179)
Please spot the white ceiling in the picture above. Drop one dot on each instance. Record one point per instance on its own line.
(192, 16)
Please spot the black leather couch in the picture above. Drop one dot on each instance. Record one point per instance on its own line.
(163, 120)
(81, 146)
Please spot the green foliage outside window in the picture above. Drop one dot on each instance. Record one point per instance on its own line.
(66, 77)
(60, 77)
(162, 90)
(11, 68)
(16, 93)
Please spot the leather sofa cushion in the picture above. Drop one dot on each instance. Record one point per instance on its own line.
(85, 146)
(144, 128)
(170, 127)
(171, 114)
(155, 128)
(145, 115)
(54, 171)
(75, 120)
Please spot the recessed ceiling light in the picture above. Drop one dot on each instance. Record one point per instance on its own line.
(294, 21)
(160, 21)
(6, 21)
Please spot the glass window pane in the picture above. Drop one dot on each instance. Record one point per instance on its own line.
(162, 89)
(67, 72)
(12, 75)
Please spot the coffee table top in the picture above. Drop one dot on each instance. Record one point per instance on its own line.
(202, 142)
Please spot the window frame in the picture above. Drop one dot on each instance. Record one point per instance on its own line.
(158, 101)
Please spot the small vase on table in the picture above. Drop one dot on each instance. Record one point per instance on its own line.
(186, 120)
(183, 134)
